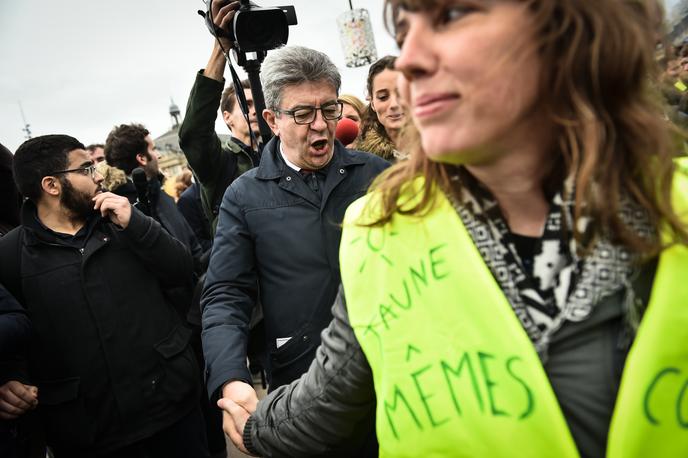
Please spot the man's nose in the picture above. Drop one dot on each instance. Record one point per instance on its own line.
(319, 123)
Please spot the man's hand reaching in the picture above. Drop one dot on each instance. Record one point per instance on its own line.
(238, 402)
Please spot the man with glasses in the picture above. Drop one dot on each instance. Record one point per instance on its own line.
(278, 233)
(109, 368)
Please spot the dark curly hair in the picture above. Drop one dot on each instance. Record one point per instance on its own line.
(123, 143)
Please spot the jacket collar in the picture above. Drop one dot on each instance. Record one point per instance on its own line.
(35, 230)
(273, 167)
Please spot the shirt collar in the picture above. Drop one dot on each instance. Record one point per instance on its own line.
(290, 164)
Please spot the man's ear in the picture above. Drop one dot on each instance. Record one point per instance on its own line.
(270, 118)
(227, 116)
(51, 186)
(141, 159)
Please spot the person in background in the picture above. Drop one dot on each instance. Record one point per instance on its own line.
(353, 108)
(10, 200)
(113, 177)
(16, 398)
(130, 146)
(217, 165)
(19, 437)
(191, 207)
(97, 152)
(182, 182)
(348, 128)
(110, 357)
(529, 260)
(385, 115)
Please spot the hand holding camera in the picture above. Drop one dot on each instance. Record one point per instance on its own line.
(222, 12)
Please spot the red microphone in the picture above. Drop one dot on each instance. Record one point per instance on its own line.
(347, 131)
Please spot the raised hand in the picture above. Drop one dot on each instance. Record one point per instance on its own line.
(223, 15)
(115, 207)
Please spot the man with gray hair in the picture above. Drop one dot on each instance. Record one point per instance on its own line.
(279, 227)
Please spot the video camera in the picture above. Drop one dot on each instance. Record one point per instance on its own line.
(255, 29)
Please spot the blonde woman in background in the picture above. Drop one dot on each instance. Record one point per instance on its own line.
(353, 108)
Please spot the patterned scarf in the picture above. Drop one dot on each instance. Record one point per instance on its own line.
(563, 286)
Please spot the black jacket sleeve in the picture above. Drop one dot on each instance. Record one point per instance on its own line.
(15, 327)
(161, 253)
(189, 205)
(329, 411)
(229, 295)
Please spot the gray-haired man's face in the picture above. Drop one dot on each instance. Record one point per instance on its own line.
(311, 145)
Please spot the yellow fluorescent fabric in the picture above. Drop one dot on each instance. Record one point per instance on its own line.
(651, 415)
(455, 373)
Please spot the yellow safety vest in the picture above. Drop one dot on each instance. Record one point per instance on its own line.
(455, 373)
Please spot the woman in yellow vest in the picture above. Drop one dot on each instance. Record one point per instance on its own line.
(519, 287)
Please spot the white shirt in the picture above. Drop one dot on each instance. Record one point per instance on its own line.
(287, 161)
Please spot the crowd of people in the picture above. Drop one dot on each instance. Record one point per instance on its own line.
(494, 266)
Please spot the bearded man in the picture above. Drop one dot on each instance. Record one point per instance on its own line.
(109, 369)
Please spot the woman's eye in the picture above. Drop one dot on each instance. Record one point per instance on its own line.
(453, 13)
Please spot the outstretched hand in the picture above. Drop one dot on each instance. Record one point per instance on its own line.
(234, 418)
(239, 401)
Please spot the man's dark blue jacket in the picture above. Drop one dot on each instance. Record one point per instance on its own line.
(274, 231)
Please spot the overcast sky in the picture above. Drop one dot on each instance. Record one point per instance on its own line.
(80, 67)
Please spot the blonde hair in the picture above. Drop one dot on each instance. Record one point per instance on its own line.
(112, 176)
(354, 102)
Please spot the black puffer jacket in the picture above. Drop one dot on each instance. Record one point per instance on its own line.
(274, 231)
(165, 211)
(110, 356)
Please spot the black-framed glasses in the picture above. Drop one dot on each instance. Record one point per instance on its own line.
(86, 171)
(306, 115)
